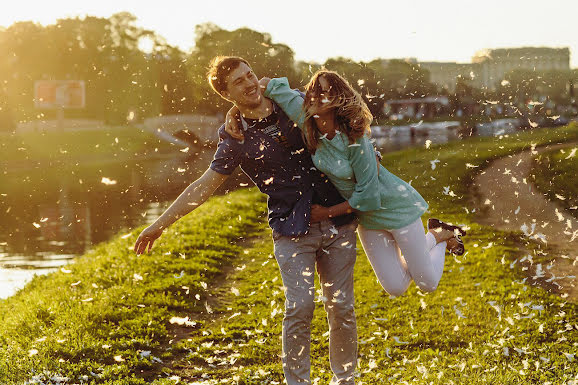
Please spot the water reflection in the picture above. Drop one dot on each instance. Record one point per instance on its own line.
(399, 138)
(52, 215)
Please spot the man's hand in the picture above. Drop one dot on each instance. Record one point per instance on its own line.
(233, 124)
(319, 213)
(147, 238)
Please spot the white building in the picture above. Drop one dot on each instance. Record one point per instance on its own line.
(494, 64)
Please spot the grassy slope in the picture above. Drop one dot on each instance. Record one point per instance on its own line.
(484, 324)
(554, 173)
(113, 303)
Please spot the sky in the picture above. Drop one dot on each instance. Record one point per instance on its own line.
(441, 30)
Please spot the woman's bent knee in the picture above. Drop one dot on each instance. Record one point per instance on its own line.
(394, 289)
(395, 292)
(427, 286)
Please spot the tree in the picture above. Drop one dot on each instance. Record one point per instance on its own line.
(266, 58)
(7, 123)
(103, 52)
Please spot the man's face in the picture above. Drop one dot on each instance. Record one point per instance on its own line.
(243, 87)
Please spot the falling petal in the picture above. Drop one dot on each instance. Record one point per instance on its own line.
(107, 181)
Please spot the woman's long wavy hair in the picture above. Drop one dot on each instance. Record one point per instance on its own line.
(352, 114)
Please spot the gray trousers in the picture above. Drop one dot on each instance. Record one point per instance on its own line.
(332, 251)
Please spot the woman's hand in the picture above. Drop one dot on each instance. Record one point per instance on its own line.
(233, 124)
(319, 213)
(146, 238)
(264, 82)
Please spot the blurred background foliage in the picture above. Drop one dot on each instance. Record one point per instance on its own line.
(128, 68)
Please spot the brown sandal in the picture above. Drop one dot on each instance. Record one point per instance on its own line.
(433, 224)
(455, 245)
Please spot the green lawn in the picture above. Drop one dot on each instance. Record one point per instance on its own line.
(105, 319)
(465, 120)
(555, 173)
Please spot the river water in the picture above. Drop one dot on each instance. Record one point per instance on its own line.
(51, 215)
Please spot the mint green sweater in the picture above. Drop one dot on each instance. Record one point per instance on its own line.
(383, 200)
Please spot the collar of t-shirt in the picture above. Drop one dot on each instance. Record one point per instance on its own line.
(269, 125)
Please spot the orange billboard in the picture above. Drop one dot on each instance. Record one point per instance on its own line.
(59, 94)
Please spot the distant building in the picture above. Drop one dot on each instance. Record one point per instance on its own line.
(446, 74)
(494, 64)
(489, 66)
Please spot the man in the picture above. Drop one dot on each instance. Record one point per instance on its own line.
(274, 156)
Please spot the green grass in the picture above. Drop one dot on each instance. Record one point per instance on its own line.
(83, 145)
(112, 303)
(465, 120)
(512, 333)
(554, 173)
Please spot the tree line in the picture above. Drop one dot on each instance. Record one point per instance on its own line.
(120, 76)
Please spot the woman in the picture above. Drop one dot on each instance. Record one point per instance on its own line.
(336, 127)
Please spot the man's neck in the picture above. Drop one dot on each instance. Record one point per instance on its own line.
(262, 111)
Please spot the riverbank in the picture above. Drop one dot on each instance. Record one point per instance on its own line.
(44, 149)
(554, 173)
(107, 318)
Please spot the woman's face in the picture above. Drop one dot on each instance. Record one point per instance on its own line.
(324, 99)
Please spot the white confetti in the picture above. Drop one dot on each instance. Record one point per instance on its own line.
(182, 321)
(107, 181)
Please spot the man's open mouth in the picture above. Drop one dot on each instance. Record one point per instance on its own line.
(251, 92)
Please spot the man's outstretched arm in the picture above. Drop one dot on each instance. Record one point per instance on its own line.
(191, 198)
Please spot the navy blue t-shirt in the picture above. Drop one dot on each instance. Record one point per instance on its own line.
(274, 156)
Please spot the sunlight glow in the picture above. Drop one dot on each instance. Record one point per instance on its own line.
(445, 30)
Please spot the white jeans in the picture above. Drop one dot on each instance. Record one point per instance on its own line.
(398, 256)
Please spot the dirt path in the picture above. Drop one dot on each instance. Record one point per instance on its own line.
(509, 201)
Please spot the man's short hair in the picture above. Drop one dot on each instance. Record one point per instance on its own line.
(220, 68)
